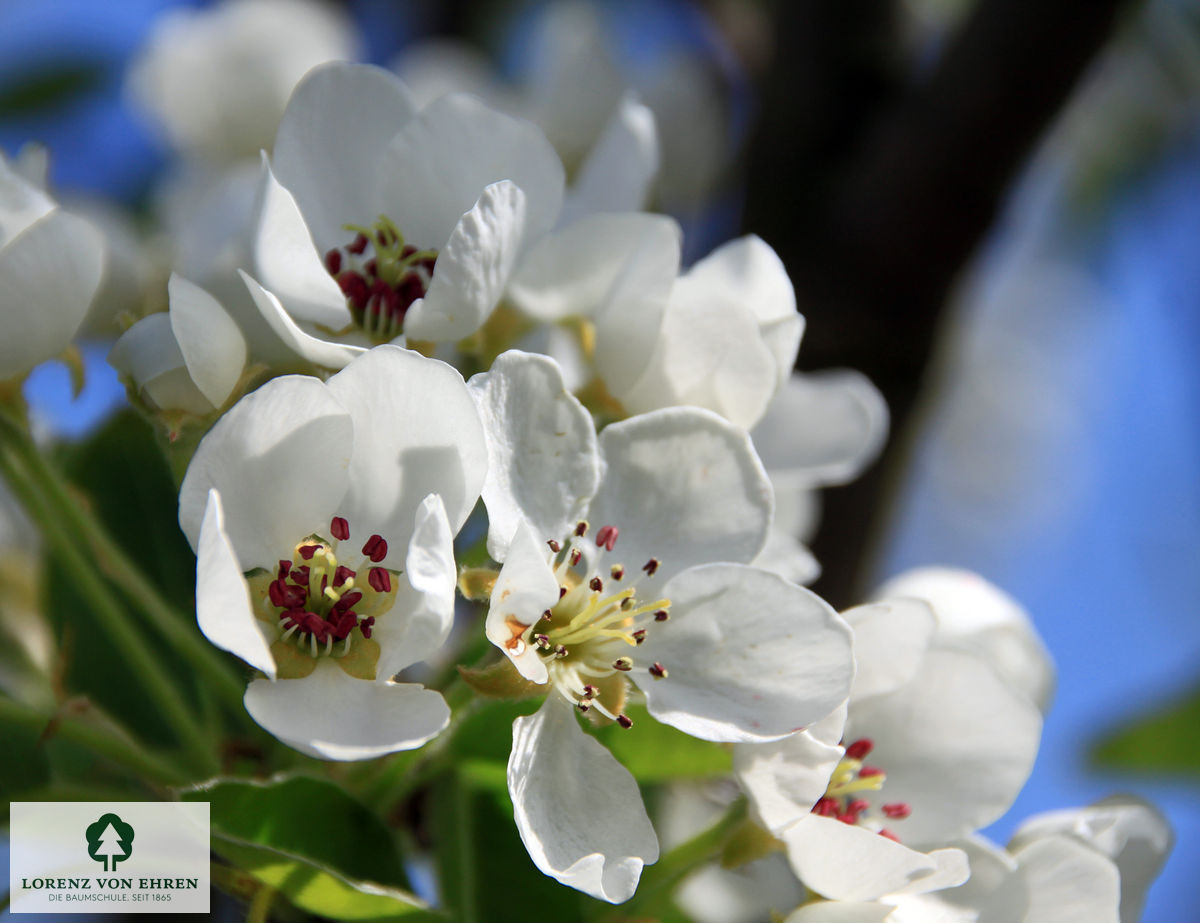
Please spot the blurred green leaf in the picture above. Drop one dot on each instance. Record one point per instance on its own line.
(1164, 741)
(656, 752)
(318, 889)
(50, 88)
(312, 819)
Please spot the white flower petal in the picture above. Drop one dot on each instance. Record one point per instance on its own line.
(279, 458)
(22, 202)
(570, 272)
(48, 274)
(683, 486)
(149, 353)
(423, 613)
(750, 656)
(337, 124)
(891, 639)
(472, 268)
(956, 743)
(1128, 830)
(286, 261)
(788, 558)
(525, 588)
(846, 862)
(416, 432)
(321, 353)
(978, 616)
(578, 810)
(619, 170)
(543, 461)
(749, 893)
(785, 778)
(822, 428)
(629, 322)
(1068, 882)
(211, 344)
(223, 608)
(332, 716)
(439, 162)
(840, 912)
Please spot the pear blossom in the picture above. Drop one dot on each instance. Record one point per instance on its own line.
(376, 222)
(51, 264)
(623, 575)
(185, 361)
(979, 616)
(723, 335)
(216, 80)
(931, 746)
(322, 516)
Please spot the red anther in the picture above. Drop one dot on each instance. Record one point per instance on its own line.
(657, 670)
(575, 556)
(891, 836)
(548, 615)
(391, 303)
(380, 580)
(625, 721)
(307, 551)
(347, 602)
(858, 805)
(375, 548)
(583, 707)
(868, 771)
(899, 810)
(860, 748)
(299, 575)
(406, 251)
(589, 691)
(284, 566)
(624, 664)
(596, 584)
(411, 288)
(371, 268)
(848, 818)
(562, 591)
(554, 546)
(285, 596)
(341, 575)
(359, 245)
(826, 807)
(581, 528)
(343, 625)
(606, 537)
(617, 572)
(639, 636)
(354, 287)
(333, 261)
(339, 528)
(661, 615)
(651, 566)
(364, 625)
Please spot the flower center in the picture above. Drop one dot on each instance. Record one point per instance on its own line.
(323, 608)
(852, 778)
(380, 289)
(590, 638)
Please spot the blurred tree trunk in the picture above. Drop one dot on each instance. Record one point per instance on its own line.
(876, 195)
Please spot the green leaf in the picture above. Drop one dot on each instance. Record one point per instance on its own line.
(1164, 741)
(50, 88)
(307, 818)
(319, 889)
(655, 752)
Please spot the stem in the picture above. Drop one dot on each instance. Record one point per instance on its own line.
(122, 750)
(109, 612)
(113, 562)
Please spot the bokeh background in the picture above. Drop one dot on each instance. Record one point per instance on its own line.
(991, 207)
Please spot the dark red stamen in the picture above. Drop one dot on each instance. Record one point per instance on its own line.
(365, 626)
(826, 807)
(868, 771)
(596, 584)
(661, 615)
(307, 551)
(889, 835)
(380, 580)
(354, 287)
(554, 546)
(860, 748)
(339, 528)
(625, 721)
(606, 537)
(657, 670)
(359, 245)
(581, 528)
(341, 575)
(333, 261)
(376, 548)
(650, 566)
(899, 810)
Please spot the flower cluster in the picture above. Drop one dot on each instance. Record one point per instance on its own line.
(418, 338)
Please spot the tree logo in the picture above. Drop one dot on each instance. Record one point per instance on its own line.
(110, 840)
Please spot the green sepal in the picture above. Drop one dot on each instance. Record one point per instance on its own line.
(290, 661)
(362, 661)
(500, 681)
(746, 843)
